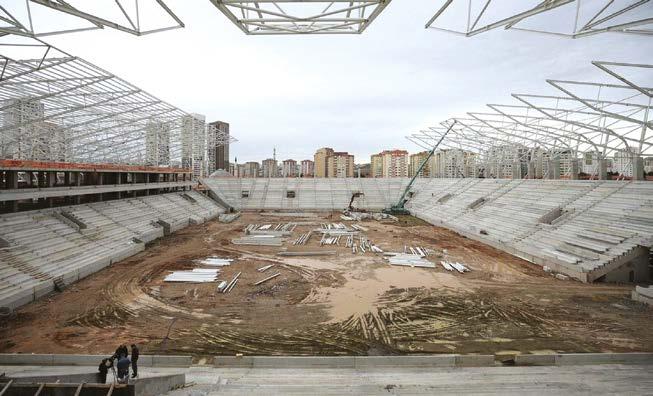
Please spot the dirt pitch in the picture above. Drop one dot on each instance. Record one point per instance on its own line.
(348, 304)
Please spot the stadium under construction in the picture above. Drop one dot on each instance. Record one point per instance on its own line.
(115, 225)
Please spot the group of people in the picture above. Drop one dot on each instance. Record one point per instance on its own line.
(123, 362)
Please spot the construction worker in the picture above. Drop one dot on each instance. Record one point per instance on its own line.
(123, 369)
(104, 369)
(135, 353)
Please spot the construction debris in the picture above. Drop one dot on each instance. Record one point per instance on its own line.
(215, 261)
(360, 216)
(303, 239)
(409, 260)
(221, 286)
(287, 227)
(449, 266)
(297, 254)
(232, 284)
(197, 275)
(267, 267)
(267, 279)
(258, 240)
(228, 217)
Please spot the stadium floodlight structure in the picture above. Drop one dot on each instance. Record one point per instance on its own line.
(269, 17)
(567, 18)
(599, 119)
(58, 107)
(38, 18)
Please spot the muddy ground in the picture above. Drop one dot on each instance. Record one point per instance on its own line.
(338, 305)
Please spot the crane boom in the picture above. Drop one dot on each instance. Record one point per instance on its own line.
(399, 207)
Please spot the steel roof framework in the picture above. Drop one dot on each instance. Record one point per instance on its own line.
(616, 119)
(271, 17)
(124, 15)
(55, 106)
(586, 18)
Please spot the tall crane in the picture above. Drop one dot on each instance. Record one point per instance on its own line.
(399, 209)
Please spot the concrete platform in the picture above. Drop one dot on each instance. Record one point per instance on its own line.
(555, 380)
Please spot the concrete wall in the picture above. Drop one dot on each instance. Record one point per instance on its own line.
(25, 359)
(153, 386)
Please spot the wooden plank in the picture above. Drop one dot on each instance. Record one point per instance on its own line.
(3, 391)
(38, 391)
(79, 389)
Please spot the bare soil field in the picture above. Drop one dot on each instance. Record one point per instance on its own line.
(346, 304)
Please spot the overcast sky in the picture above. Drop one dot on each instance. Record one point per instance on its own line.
(353, 93)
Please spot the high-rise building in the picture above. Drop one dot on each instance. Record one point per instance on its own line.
(321, 161)
(270, 168)
(505, 161)
(251, 169)
(340, 164)
(395, 163)
(25, 138)
(289, 168)
(218, 145)
(157, 143)
(307, 168)
(454, 163)
(416, 161)
(376, 165)
(623, 163)
(193, 143)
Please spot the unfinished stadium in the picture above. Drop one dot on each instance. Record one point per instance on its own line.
(114, 226)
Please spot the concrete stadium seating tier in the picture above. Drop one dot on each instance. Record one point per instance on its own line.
(588, 230)
(55, 247)
(310, 194)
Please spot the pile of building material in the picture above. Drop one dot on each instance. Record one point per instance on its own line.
(258, 240)
(197, 275)
(334, 227)
(215, 261)
(408, 260)
(328, 239)
(228, 217)
(359, 227)
(271, 228)
(422, 251)
(303, 239)
(451, 266)
(360, 216)
(229, 287)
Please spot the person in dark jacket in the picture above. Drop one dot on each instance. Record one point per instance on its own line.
(135, 353)
(104, 369)
(123, 369)
(121, 352)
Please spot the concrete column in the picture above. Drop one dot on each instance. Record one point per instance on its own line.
(11, 179)
(516, 170)
(603, 169)
(554, 169)
(531, 170)
(78, 178)
(638, 168)
(575, 165)
(66, 178)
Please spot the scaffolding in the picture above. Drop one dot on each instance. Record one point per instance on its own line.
(57, 107)
(271, 17)
(38, 18)
(566, 18)
(592, 119)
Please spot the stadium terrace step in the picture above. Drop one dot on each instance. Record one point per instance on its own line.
(45, 245)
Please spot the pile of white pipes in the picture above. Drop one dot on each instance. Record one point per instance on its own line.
(408, 260)
(303, 239)
(197, 275)
(450, 266)
(258, 240)
(215, 261)
(422, 251)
